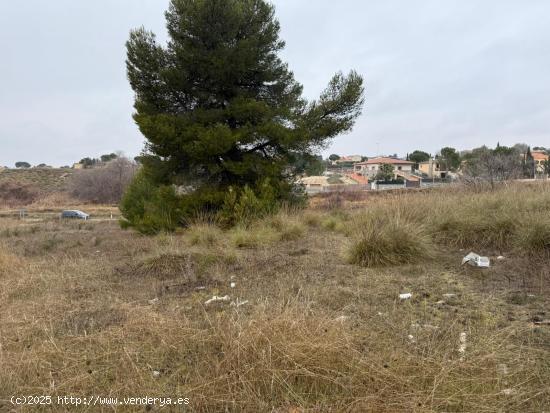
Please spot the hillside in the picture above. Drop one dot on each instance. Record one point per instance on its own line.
(41, 179)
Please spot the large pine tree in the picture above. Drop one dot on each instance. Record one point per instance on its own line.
(220, 110)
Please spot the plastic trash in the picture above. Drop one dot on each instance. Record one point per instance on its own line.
(476, 260)
(406, 296)
(462, 347)
(217, 299)
(238, 303)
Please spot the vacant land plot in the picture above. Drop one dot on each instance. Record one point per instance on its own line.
(308, 316)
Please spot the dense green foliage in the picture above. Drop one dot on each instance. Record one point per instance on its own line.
(418, 157)
(220, 110)
(385, 173)
(449, 159)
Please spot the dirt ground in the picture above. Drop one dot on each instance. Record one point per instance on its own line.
(90, 310)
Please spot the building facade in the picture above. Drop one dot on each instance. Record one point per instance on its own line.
(371, 167)
(433, 169)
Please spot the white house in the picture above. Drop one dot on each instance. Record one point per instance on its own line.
(371, 167)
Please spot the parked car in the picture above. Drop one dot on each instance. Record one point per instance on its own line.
(75, 214)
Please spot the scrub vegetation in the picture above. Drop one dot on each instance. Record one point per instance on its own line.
(314, 321)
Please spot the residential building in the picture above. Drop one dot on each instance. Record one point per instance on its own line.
(350, 158)
(433, 169)
(540, 157)
(371, 167)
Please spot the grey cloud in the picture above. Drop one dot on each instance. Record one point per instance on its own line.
(438, 72)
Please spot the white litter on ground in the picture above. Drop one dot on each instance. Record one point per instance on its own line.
(233, 285)
(238, 303)
(476, 260)
(153, 301)
(462, 347)
(500, 258)
(342, 318)
(502, 370)
(217, 299)
(406, 296)
(156, 373)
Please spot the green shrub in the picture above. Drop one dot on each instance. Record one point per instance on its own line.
(149, 208)
(245, 205)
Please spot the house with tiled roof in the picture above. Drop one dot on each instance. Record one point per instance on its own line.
(371, 167)
(539, 157)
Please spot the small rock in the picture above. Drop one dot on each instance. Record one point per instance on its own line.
(156, 373)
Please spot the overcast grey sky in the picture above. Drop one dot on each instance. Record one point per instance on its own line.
(438, 72)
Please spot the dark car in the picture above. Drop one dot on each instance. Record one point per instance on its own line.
(75, 214)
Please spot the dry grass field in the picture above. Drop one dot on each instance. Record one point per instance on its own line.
(313, 322)
(44, 179)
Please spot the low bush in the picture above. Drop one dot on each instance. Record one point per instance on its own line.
(14, 194)
(253, 236)
(149, 208)
(534, 237)
(242, 206)
(204, 234)
(379, 241)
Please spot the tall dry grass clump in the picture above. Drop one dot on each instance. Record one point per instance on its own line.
(510, 218)
(534, 237)
(388, 240)
(9, 262)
